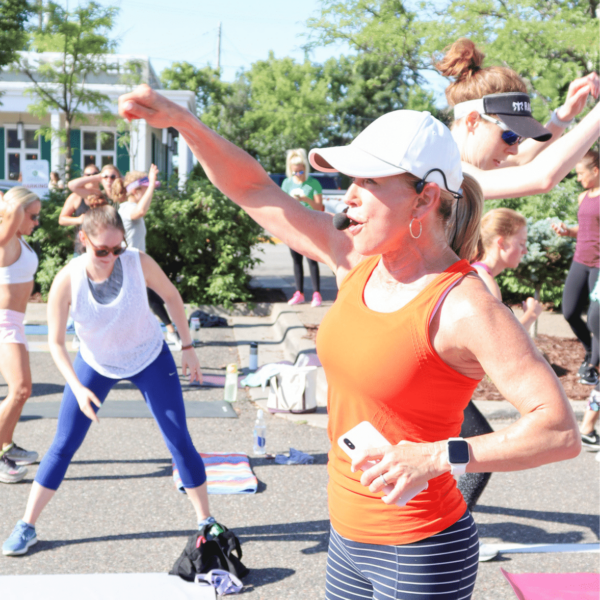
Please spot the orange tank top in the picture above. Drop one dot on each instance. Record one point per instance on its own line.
(382, 368)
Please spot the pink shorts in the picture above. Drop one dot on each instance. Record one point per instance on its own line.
(12, 330)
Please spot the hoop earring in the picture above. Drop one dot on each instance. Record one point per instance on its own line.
(416, 237)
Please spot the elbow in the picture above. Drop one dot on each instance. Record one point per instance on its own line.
(573, 444)
(549, 182)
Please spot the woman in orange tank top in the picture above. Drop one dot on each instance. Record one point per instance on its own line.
(411, 334)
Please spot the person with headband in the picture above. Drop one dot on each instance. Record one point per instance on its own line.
(120, 339)
(411, 334)
(136, 192)
(308, 191)
(19, 214)
(509, 153)
(581, 281)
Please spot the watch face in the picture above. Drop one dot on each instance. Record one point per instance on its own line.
(458, 452)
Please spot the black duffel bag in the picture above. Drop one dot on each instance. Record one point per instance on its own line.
(201, 555)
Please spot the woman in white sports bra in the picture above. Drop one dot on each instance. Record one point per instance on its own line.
(19, 214)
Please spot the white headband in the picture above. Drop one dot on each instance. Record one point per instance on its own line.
(464, 108)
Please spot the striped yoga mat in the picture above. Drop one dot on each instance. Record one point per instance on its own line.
(226, 472)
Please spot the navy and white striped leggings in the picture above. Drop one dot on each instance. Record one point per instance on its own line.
(441, 567)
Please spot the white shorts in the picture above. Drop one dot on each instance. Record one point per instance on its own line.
(12, 329)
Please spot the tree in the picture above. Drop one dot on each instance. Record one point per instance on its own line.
(13, 36)
(81, 39)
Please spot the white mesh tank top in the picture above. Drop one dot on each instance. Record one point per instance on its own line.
(121, 338)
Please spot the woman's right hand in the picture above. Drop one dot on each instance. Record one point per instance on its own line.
(85, 399)
(560, 229)
(533, 307)
(145, 103)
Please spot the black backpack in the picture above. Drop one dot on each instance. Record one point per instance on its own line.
(202, 555)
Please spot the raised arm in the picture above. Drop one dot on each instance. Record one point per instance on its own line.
(546, 170)
(244, 181)
(143, 206)
(84, 186)
(577, 96)
(70, 206)
(12, 214)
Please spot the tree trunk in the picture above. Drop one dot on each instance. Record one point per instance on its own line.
(68, 150)
(533, 330)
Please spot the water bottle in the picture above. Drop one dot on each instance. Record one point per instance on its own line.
(260, 433)
(195, 331)
(231, 383)
(253, 364)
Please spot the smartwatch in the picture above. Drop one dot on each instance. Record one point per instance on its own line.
(458, 456)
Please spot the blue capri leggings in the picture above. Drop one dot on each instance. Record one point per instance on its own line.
(159, 383)
(441, 567)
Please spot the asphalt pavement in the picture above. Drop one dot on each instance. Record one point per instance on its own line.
(118, 512)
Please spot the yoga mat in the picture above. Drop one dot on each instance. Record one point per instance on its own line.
(546, 586)
(226, 473)
(543, 548)
(102, 586)
(132, 409)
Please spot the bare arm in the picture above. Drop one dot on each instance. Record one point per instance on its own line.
(65, 218)
(474, 333)
(577, 96)
(565, 231)
(546, 170)
(12, 214)
(159, 282)
(59, 301)
(143, 206)
(84, 186)
(244, 181)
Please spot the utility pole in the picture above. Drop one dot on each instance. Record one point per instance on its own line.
(219, 48)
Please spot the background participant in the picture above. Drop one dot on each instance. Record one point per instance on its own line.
(581, 280)
(120, 339)
(308, 191)
(19, 214)
(136, 192)
(398, 345)
(100, 184)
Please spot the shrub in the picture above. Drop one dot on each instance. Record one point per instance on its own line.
(543, 269)
(203, 242)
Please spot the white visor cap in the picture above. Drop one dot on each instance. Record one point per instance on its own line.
(402, 141)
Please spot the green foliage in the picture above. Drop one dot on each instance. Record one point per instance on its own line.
(13, 37)
(544, 268)
(203, 242)
(52, 242)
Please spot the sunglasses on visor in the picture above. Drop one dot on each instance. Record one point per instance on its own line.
(101, 252)
(508, 136)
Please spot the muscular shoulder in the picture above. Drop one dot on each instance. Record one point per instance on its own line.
(490, 282)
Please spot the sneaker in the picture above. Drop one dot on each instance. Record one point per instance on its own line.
(20, 540)
(174, 340)
(316, 300)
(75, 343)
(9, 471)
(487, 552)
(20, 456)
(297, 298)
(589, 376)
(591, 441)
(585, 363)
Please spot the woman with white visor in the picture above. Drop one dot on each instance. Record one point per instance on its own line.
(411, 334)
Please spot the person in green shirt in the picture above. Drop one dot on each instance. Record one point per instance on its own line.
(309, 193)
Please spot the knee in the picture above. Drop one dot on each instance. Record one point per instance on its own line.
(21, 393)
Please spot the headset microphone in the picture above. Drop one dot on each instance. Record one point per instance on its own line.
(341, 220)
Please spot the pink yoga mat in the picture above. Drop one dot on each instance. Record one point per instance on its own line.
(554, 586)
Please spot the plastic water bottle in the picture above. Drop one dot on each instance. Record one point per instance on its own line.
(231, 383)
(195, 331)
(260, 433)
(253, 363)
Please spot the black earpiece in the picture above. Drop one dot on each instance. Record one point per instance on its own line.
(420, 185)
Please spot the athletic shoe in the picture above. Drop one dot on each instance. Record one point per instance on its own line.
(589, 376)
(487, 552)
(174, 339)
(20, 456)
(585, 363)
(297, 298)
(75, 343)
(20, 540)
(316, 300)
(9, 471)
(591, 441)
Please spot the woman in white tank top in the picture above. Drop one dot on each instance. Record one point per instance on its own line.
(19, 214)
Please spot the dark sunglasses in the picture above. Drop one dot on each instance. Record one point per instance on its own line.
(101, 252)
(35, 217)
(113, 176)
(508, 136)
(88, 174)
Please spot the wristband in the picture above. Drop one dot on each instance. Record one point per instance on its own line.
(187, 347)
(556, 121)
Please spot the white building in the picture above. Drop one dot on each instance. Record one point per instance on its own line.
(91, 141)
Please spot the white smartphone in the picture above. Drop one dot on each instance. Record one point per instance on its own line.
(364, 437)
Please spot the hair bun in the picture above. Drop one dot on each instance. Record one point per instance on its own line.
(461, 60)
